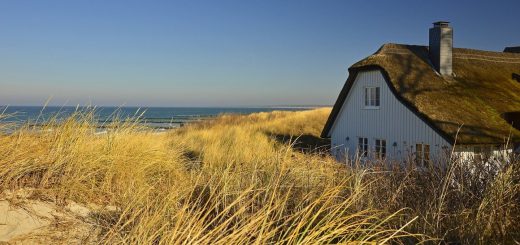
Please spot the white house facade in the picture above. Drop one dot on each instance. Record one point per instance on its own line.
(382, 127)
(425, 102)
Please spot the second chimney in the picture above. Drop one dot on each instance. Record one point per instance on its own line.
(441, 45)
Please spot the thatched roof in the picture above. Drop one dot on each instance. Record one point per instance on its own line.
(476, 97)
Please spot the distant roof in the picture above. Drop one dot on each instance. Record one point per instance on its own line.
(482, 89)
(512, 49)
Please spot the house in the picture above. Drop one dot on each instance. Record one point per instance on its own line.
(420, 101)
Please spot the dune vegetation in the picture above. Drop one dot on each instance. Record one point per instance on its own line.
(262, 178)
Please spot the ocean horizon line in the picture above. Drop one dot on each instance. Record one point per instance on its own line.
(162, 117)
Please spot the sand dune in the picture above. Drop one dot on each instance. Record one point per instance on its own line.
(30, 221)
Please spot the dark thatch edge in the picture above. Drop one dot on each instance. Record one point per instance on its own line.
(516, 77)
(353, 72)
(512, 49)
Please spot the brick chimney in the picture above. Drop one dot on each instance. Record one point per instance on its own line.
(441, 45)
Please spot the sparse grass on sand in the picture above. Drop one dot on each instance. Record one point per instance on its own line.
(247, 179)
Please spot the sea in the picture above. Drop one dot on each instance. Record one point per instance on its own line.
(154, 117)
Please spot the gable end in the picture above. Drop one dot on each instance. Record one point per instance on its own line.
(353, 72)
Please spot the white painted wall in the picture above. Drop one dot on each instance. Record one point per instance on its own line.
(466, 153)
(393, 122)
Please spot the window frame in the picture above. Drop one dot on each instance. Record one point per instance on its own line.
(372, 97)
(422, 154)
(363, 146)
(380, 148)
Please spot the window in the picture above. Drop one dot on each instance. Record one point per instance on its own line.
(372, 97)
(380, 148)
(363, 147)
(422, 154)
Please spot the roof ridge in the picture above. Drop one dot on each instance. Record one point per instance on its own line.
(486, 56)
(389, 46)
(487, 52)
(490, 60)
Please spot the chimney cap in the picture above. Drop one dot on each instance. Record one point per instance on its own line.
(441, 23)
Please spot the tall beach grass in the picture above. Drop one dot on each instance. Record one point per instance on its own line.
(259, 178)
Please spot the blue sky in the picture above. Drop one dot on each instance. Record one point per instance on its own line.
(217, 53)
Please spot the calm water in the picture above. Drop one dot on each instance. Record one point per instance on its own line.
(157, 117)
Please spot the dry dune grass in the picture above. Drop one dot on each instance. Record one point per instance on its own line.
(220, 182)
(235, 180)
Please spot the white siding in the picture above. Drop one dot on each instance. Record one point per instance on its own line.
(393, 122)
(467, 152)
